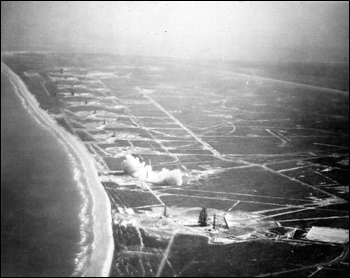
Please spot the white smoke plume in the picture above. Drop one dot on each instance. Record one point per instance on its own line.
(134, 167)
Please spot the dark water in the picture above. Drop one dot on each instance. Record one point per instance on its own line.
(40, 200)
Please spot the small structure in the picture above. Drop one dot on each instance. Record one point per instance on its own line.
(203, 218)
(165, 214)
(226, 223)
(326, 234)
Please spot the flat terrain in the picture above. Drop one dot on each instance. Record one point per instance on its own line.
(243, 143)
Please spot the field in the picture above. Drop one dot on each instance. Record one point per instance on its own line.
(242, 140)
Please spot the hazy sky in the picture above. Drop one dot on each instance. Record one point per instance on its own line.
(298, 31)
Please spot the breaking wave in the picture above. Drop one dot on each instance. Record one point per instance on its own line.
(86, 242)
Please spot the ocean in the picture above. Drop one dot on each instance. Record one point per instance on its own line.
(41, 202)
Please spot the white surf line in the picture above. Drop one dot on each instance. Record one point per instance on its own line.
(79, 149)
(313, 218)
(205, 144)
(166, 253)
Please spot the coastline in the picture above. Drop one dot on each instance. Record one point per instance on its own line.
(103, 243)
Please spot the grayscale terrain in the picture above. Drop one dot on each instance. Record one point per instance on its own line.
(177, 166)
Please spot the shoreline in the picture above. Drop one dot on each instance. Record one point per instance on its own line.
(103, 242)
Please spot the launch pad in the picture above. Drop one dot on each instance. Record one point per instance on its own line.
(221, 227)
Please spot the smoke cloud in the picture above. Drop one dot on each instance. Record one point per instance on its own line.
(134, 167)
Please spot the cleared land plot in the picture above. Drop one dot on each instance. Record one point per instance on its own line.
(340, 161)
(271, 159)
(181, 201)
(247, 145)
(171, 132)
(139, 132)
(182, 145)
(288, 165)
(293, 128)
(85, 136)
(210, 160)
(255, 180)
(269, 145)
(335, 222)
(133, 198)
(191, 256)
(92, 108)
(158, 160)
(147, 113)
(236, 197)
(113, 163)
(340, 191)
(340, 176)
(309, 176)
(312, 213)
(254, 207)
(45, 99)
(155, 121)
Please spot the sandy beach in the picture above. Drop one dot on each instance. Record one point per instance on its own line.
(103, 245)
